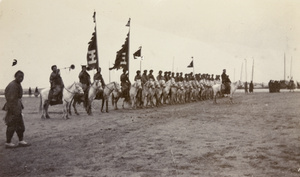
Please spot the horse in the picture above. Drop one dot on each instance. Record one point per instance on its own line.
(174, 88)
(93, 90)
(158, 92)
(133, 92)
(68, 94)
(148, 92)
(166, 90)
(180, 92)
(108, 89)
(217, 89)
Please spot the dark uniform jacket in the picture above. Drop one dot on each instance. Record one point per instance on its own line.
(13, 95)
(98, 76)
(56, 80)
(124, 79)
(225, 78)
(84, 78)
(138, 76)
(150, 76)
(160, 77)
(144, 78)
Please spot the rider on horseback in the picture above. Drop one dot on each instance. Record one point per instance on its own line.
(85, 80)
(150, 75)
(226, 81)
(159, 76)
(98, 76)
(125, 83)
(57, 85)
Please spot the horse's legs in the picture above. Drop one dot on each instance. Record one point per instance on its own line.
(102, 104)
(46, 109)
(106, 102)
(74, 106)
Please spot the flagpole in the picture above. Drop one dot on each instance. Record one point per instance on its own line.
(96, 39)
(128, 23)
(241, 72)
(252, 70)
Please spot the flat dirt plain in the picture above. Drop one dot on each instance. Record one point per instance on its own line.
(258, 135)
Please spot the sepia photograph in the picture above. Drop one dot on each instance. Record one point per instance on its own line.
(148, 88)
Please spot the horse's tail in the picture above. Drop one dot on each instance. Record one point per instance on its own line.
(112, 99)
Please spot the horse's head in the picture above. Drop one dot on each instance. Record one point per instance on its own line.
(117, 87)
(78, 88)
(97, 85)
(162, 83)
(150, 83)
(156, 84)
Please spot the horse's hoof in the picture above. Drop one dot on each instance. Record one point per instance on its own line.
(77, 113)
(47, 117)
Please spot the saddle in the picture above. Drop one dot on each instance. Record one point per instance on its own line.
(225, 88)
(54, 100)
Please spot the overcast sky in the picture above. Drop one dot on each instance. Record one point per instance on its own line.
(218, 34)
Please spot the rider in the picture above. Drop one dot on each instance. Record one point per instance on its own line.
(159, 76)
(150, 75)
(98, 76)
(125, 83)
(85, 80)
(226, 81)
(138, 77)
(144, 77)
(56, 83)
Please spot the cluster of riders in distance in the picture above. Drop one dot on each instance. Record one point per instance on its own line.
(146, 90)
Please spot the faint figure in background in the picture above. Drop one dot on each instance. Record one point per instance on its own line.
(246, 87)
(29, 92)
(251, 87)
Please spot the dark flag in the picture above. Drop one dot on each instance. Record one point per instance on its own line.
(122, 56)
(14, 62)
(92, 54)
(191, 65)
(128, 23)
(137, 53)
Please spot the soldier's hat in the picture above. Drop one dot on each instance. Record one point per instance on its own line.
(145, 71)
(53, 67)
(138, 71)
(180, 72)
(151, 71)
(160, 71)
(224, 69)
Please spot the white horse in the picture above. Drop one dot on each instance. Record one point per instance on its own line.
(158, 92)
(68, 94)
(93, 90)
(133, 92)
(217, 88)
(148, 92)
(167, 89)
(108, 89)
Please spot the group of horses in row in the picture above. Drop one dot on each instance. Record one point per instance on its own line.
(152, 93)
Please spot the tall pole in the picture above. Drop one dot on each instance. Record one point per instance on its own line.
(128, 56)
(252, 70)
(246, 69)
(291, 68)
(241, 72)
(94, 16)
(284, 69)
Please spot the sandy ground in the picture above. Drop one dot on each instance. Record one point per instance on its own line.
(257, 136)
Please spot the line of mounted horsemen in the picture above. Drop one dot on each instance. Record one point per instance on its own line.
(146, 90)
